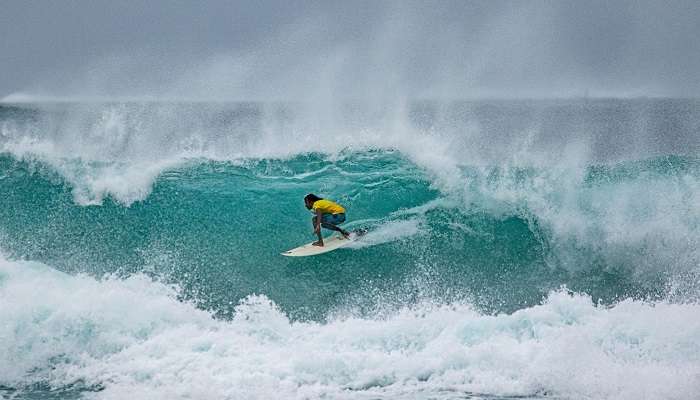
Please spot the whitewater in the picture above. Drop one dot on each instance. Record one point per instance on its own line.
(516, 249)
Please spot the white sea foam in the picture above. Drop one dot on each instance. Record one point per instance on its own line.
(136, 340)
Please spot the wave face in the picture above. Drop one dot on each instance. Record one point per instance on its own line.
(521, 248)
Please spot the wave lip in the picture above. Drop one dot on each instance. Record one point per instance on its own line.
(134, 338)
(114, 141)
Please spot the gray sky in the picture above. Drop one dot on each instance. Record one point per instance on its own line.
(238, 50)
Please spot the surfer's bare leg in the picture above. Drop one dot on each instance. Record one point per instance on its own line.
(332, 227)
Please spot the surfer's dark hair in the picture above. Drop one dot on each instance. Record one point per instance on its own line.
(312, 197)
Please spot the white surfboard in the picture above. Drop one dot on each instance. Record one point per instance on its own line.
(329, 244)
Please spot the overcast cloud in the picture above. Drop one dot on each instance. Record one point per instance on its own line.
(289, 50)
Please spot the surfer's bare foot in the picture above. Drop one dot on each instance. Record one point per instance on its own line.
(318, 243)
(346, 234)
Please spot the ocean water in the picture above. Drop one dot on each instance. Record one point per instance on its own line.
(516, 249)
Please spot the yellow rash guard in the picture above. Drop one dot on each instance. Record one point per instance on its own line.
(327, 207)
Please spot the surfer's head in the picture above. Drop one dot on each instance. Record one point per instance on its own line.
(310, 199)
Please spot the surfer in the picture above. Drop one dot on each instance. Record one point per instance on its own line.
(328, 215)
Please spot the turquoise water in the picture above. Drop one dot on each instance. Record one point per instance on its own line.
(511, 246)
